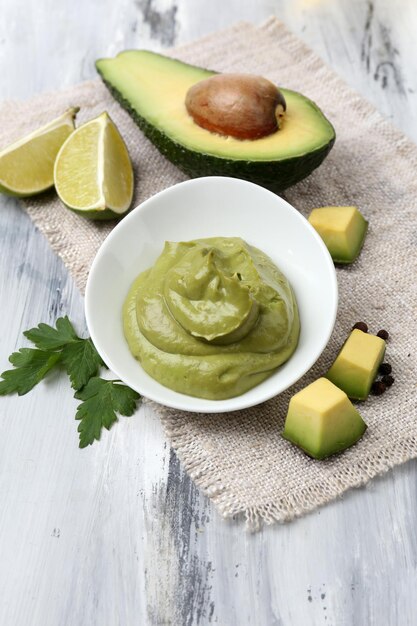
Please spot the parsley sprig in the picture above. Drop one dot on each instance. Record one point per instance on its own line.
(102, 399)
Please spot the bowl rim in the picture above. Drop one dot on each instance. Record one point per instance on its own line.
(179, 400)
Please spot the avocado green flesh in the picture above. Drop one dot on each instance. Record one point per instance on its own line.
(237, 320)
(343, 230)
(354, 382)
(330, 440)
(325, 448)
(356, 366)
(322, 421)
(153, 87)
(349, 251)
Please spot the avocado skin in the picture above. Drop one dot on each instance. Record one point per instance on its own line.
(275, 175)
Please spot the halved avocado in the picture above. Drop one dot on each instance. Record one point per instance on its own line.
(152, 88)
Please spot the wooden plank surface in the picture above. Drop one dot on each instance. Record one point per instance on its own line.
(117, 534)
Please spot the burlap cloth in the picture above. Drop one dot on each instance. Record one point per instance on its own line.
(239, 459)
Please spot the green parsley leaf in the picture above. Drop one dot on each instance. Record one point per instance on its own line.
(79, 356)
(81, 361)
(102, 399)
(46, 337)
(31, 366)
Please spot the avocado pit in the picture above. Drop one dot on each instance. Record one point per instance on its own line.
(244, 106)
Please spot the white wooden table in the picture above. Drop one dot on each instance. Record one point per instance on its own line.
(117, 534)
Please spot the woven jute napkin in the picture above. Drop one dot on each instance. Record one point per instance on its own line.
(239, 459)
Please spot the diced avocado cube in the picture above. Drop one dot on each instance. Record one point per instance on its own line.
(356, 365)
(321, 420)
(343, 230)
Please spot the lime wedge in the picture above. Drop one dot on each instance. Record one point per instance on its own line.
(27, 166)
(93, 173)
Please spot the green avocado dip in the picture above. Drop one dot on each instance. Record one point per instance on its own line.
(212, 318)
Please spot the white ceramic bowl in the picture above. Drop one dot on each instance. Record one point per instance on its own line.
(208, 207)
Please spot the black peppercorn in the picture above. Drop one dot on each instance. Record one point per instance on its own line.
(383, 334)
(387, 380)
(361, 326)
(385, 368)
(378, 387)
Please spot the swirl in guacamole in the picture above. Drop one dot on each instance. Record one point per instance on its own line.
(212, 318)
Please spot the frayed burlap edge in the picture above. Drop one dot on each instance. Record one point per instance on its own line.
(285, 507)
